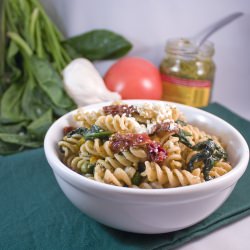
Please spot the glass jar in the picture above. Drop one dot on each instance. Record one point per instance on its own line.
(188, 72)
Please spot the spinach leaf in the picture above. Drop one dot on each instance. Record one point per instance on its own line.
(23, 140)
(50, 82)
(39, 127)
(34, 102)
(96, 132)
(79, 131)
(209, 153)
(11, 69)
(99, 44)
(11, 59)
(92, 133)
(71, 51)
(29, 101)
(182, 135)
(60, 111)
(11, 110)
(181, 122)
(13, 128)
(8, 148)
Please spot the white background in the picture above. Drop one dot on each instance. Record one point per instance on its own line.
(148, 24)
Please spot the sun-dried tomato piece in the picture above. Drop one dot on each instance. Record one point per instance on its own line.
(165, 127)
(155, 152)
(121, 142)
(68, 129)
(120, 110)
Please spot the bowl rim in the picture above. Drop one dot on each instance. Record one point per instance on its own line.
(82, 182)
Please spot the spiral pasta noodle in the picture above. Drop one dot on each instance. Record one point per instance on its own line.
(97, 148)
(118, 123)
(171, 178)
(70, 145)
(87, 118)
(220, 169)
(174, 159)
(76, 162)
(126, 158)
(117, 176)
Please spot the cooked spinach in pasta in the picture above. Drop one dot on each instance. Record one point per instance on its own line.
(141, 146)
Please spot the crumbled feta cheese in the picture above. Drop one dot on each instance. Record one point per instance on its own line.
(159, 112)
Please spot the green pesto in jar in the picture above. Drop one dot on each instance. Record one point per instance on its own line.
(188, 72)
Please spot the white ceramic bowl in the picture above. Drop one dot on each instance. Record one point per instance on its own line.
(150, 211)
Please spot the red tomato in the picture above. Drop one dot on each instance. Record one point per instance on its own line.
(134, 78)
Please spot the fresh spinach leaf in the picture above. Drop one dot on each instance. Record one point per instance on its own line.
(60, 111)
(50, 82)
(11, 68)
(11, 110)
(13, 128)
(29, 101)
(34, 102)
(71, 51)
(12, 62)
(8, 148)
(39, 127)
(100, 44)
(23, 140)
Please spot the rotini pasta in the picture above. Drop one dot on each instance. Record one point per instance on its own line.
(174, 159)
(117, 176)
(118, 123)
(170, 178)
(126, 158)
(148, 146)
(96, 147)
(76, 162)
(87, 118)
(220, 169)
(70, 145)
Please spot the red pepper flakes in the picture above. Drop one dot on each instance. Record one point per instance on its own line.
(121, 142)
(120, 110)
(68, 129)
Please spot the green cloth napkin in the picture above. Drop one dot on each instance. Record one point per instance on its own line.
(35, 214)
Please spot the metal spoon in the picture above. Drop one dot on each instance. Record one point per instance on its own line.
(203, 35)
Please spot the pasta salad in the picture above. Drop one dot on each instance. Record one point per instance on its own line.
(149, 145)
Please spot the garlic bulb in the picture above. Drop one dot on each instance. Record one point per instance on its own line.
(84, 85)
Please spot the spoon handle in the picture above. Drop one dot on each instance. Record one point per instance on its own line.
(202, 36)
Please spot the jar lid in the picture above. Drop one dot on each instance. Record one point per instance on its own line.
(184, 46)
